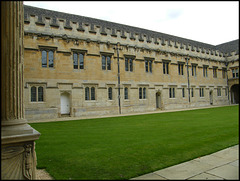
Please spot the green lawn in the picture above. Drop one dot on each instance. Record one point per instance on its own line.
(129, 146)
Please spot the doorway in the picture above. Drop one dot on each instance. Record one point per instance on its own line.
(65, 103)
(158, 100)
(211, 97)
(234, 94)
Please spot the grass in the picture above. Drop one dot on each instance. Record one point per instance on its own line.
(126, 147)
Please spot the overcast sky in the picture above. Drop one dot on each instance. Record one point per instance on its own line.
(212, 22)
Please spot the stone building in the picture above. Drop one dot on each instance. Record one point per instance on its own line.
(80, 66)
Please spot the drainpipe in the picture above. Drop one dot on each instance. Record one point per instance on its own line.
(187, 59)
(119, 97)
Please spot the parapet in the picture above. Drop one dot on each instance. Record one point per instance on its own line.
(71, 25)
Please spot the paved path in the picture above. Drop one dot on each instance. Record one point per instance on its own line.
(222, 165)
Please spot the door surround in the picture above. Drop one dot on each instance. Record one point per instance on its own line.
(65, 103)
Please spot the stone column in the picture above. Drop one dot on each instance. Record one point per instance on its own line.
(18, 159)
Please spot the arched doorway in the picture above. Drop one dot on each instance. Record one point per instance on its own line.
(234, 94)
(65, 103)
(158, 100)
(211, 97)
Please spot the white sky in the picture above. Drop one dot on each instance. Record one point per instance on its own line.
(212, 22)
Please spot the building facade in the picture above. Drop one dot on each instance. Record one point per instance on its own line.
(80, 66)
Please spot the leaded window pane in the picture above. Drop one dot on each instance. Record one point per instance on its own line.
(40, 94)
(33, 94)
(50, 58)
(92, 93)
(75, 61)
(103, 63)
(144, 93)
(167, 67)
(110, 93)
(108, 63)
(131, 64)
(81, 61)
(126, 93)
(150, 66)
(44, 58)
(140, 93)
(87, 93)
(126, 64)
(146, 65)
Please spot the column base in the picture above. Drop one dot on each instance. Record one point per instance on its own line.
(18, 159)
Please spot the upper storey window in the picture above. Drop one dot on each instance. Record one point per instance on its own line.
(205, 71)
(235, 73)
(215, 72)
(128, 64)
(165, 67)
(78, 60)
(180, 68)
(194, 70)
(47, 58)
(106, 62)
(148, 66)
(224, 73)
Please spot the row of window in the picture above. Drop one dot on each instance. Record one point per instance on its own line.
(90, 93)
(78, 63)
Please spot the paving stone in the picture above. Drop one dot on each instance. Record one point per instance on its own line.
(213, 160)
(229, 154)
(184, 170)
(235, 163)
(227, 172)
(205, 176)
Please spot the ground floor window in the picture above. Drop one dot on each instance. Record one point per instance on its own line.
(219, 91)
(201, 92)
(171, 92)
(125, 93)
(183, 92)
(37, 94)
(142, 93)
(110, 97)
(192, 92)
(90, 93)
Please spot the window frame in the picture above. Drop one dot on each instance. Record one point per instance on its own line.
(142, 92)
(183, 92)
(219, 91)
(80, 62)
(194, 70)
(50, 63)
(126, 97)
(180, 68)
(205, 70)
(214, 72)
(149, 65)
(110, 93)
(166, 67)
(201, 92)
(129, 62)
(39, 95)
(90, 93)
(172, 92)
(47, 59)
(106, 60)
